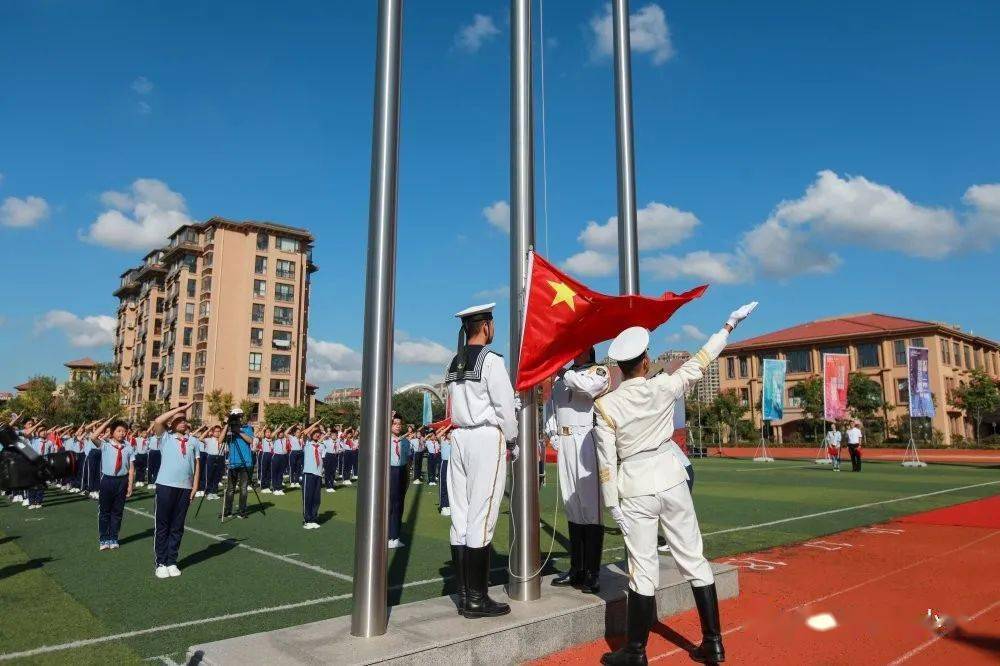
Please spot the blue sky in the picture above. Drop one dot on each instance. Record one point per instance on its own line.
(823, 159)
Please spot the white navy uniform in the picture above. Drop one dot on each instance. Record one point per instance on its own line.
(482, 411)
(640, 473)
(570, 425)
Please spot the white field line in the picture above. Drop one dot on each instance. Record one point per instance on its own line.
(767, 467)
(260, 551)
(863, 583)
(923, 646)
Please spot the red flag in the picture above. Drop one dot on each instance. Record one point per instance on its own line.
(564, 318)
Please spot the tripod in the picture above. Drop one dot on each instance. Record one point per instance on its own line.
(228, 438)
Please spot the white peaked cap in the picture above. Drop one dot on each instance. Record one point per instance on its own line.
(630, 343)
(485, 308)
(235, 410)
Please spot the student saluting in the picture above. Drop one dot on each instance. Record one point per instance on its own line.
(176, 485)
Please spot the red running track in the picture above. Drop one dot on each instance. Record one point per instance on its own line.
(876, 584)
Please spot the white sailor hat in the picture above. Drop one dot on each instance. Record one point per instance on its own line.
(482, 312)
(630, 343)
(236, 411)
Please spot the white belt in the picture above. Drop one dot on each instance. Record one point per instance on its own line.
(643, 455)
(570, 429)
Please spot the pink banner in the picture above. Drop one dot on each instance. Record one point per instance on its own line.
(836, 368)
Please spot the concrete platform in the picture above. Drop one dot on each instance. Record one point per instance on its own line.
(431, 631)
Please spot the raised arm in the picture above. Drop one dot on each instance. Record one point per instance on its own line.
(163, 420)
(593, 381)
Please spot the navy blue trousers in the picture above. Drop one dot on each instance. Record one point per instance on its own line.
(92, 474)
(443, 498)
(279, 463)
(295, 461)
(111, 506)
(170, 510)
(397, 493)
(330, 470)
(153, 466)
(141, 463)
(265, 469)
(81, 464)
(312, 484)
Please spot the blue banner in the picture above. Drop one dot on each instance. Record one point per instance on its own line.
(918, 364)
(773, 403)
(428, 412)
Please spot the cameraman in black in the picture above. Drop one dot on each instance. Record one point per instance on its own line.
(237, 440)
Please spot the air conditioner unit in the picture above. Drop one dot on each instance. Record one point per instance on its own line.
(284, 344)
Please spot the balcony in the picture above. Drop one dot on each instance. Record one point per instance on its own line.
(279, 394)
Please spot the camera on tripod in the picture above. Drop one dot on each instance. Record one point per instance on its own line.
(22, 468)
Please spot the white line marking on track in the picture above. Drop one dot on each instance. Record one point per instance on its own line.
(923, 646)
(680, 649)
(771, 469)
(259, 551)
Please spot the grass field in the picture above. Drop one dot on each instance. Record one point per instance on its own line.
(267, 572)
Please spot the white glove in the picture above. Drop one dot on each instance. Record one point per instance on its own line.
(517, 403)
(515, 452)
(741, 313)
(619, 517)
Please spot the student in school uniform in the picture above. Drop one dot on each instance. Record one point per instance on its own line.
(75, 444)
(153, 461)
(419, 453)
(399, 458)
(176, 485)
(295, 456)
(330, 461)
(141, 446)
(266, 453)
(433, 458)
(39, 442)
(117, 482)
(279, 462)
(443, 502)
(312, 475)
(91, 462)
(212, 464)
(353, 442)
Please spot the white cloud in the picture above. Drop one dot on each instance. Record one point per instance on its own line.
(332, 362)
(648, 33)
(420, 351)
(144, 107)
(90, 331)
(139, 219)
(142, 86)
(591, 263)
(693, 332)
(659, 226)
(471, 37)
(25, 212)
(984, 221)
(713, 267)
(781, 251)
(497, 294)
(498, 214)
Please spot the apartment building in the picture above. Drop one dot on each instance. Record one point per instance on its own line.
(223, 306)
(876, 344)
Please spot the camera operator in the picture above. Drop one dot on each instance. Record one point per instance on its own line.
(176, 484)
(237, 441)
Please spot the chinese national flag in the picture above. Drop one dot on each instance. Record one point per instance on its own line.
(564, 318)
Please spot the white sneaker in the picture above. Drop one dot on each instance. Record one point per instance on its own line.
(95, 495)
(173, 571)
(665, 548)
(105, 546)
(348, 483)
(17, 498)
(140, 484)
(265, 491)
(35, 506)
(432, 483)
(446, 511)
(279, 492)
(152, 486)
(417, 482)
(331, 490)
(396, 543)
(213, 496)
(25, 502)
(162, 572)
(311, 526)
(200, 493)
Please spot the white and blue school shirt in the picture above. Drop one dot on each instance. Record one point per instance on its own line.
(329, 446)
(211, 446)
(89, 445)
(280, 446)
(446, 449)
(399, 451)
(141, 445)
(177, 461)
(109, 459)
(266, 446)
(38, 444)
(294, 443)
(433, 447)
(312, 462)
(153, 443)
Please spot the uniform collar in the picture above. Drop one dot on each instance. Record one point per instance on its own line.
(633, 381)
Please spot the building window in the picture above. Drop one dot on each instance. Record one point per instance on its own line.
(257, 315)
(744, 366)
(917, 342)
(281, 340)
(761, 359)
(731, 367)
(899, 350)
(260, 265)
(199, 384)
(204, 309)
(183, 387)
(187, 336)
(282, 316)
(945, 352)
(185, 361)
(262, 241)
(199, 359)
(202, 333)
(284, 292)
(159, 306)
(190, 261)
(979, 357)
(206, 283)
(256, 337)
(286, 269)
(192, 287)
(152, 391)
(259, 288)
(799, 360)
(957, 353)
(189, 312)
(968, 357)
(256, 360)
(745, 397)
(281, 363)
(286, 244)
(903, 391)
(868, 355)
(253, 386)
(156, 347)
(832, 350)
(279, 388)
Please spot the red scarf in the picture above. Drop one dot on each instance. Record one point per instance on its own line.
(118, 456)
(395, 443)
(184, 445)
(316, 453)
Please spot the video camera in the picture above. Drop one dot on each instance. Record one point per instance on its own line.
(22, 468)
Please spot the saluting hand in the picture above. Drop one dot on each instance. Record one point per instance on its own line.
(740, 313)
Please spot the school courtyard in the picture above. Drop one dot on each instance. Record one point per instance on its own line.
(82, 606)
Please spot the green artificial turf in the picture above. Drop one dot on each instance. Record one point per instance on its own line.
(63, 589)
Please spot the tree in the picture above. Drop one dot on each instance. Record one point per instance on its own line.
(810, 393)
(91, 398)
(220, 403)
(151, 409)
(278, 415)
(38, 400)
(981, 396)
(410, 407)
(730, 409)
(248, 407)
(347, 413)
(864, 398)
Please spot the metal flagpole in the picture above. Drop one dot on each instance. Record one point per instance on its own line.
(628, 244)
(524, 584)
(370, 613)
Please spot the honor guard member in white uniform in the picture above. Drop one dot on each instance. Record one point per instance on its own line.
(482, 412)
(642, 480)
(571, 426)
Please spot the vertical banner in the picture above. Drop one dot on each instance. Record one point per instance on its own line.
(773, 402)
(836, 368)
(918, 365)
(428, 412)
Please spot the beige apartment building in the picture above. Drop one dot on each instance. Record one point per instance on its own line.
(225, 306)
(876, 345)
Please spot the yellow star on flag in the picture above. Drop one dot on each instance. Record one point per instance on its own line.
(563, 294)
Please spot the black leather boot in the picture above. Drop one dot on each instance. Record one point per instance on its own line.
(458, 564)
(640, 609)
(576, 553)
(593, 549)
(710, 651)
(477, 582)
